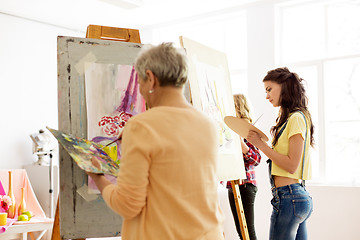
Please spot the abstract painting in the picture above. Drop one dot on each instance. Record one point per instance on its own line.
(112, 97)
(211, 93)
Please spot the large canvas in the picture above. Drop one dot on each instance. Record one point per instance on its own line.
(76, 57)
(211, 93)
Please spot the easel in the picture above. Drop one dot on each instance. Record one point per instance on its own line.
(236, 192)
(240, 210)
(104, 33)
(112, 33)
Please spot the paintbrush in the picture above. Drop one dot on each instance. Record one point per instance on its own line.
(257, 119)
(118, 139)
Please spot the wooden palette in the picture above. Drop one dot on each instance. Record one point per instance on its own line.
(242, 127)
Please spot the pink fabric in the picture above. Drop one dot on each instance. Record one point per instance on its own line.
(2, 191)
(9, 222)
(20, 179)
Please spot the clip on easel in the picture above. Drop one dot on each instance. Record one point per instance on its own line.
(103, 33)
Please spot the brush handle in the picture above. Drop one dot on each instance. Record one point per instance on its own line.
(119, 139)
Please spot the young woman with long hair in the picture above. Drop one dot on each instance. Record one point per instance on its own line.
(289, 158)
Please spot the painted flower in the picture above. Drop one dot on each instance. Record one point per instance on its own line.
(125, 116)
(111, 129)
(112, 125)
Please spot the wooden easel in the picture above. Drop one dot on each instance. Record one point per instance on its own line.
(112, 33)
(240, 209)
(104, 33)
(237, 197)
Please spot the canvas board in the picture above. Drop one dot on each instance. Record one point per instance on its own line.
(75, 55)
(211, 93)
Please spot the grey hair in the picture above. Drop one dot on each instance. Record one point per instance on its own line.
(168, 64)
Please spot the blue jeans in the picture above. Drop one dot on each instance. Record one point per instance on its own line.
(292, 206)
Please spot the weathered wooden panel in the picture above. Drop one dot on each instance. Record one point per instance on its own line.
(80, 218)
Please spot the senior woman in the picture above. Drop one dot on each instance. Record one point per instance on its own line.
(166, 186)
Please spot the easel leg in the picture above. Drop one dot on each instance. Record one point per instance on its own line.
(56, 227)
(240, 210)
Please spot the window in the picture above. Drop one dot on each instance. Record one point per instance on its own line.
(321, 42)
(226, 33)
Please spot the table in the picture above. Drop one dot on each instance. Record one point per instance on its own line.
(38, 223)
(20, 231)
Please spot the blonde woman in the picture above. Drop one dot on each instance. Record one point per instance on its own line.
(248, 186)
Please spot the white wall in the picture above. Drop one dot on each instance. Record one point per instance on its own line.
(335, 216)
(28, 92)
(336, 213)
(336, 209)
(28, 97)
(260, 60)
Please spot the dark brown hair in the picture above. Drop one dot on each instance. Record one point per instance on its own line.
(292, 98)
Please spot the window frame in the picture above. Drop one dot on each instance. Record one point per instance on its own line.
(319, 64)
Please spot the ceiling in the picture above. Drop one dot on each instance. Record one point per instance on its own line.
(78, 14)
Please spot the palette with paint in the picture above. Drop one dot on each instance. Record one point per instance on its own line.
(83, 150)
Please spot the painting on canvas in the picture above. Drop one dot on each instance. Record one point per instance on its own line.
(76, 57)
(112, 97)
(211, 93)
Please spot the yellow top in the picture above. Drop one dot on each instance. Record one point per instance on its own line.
(167, 185)
(295, 125)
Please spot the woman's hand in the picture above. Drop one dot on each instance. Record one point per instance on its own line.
(254, 138)
(96, 163)
(99, 179)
